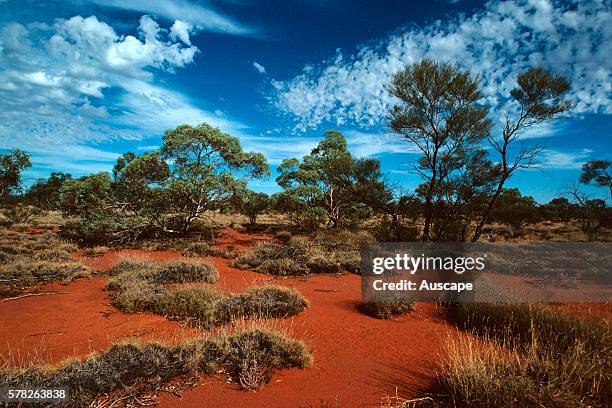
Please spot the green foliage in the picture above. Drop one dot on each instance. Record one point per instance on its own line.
(86, 194)
(598, 173)
(251, 203)
(106, 227)
(197, 169)
(514, 209)
(327, 185)
(11, 166)
(558, 209)
(45, 193)
(334, 252)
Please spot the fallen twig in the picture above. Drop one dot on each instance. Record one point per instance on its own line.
(33, 294)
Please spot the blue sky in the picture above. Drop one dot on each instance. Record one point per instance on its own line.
(83, 81)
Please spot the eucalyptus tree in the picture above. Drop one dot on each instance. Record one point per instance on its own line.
(327, 183)
(206, 167)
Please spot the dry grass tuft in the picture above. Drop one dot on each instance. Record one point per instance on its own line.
(28, 260)
(330, 253)
(248, 357)
(528, 356)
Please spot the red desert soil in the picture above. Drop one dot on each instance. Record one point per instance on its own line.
(358, 359)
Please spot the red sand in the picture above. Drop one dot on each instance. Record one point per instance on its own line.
(358, 359)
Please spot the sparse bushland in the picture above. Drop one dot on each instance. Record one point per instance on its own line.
(528, 356)
(95, 251)
(388, 308)
(129, 369)
(197, 169)
(204, 249)
(329, 252)
(139, 288)
(27, 260)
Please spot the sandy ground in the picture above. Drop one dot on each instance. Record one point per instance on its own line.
(358, 359)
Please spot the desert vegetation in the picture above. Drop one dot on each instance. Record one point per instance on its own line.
(188, 195)
(528, 355)
(30, 260)
(139, 287)
(127, 370)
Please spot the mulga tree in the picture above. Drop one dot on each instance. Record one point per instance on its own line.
(438, 111)
(514, 209)
(206, 168)
(539, 97)
(597, 173)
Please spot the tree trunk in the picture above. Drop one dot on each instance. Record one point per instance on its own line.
(487, 213)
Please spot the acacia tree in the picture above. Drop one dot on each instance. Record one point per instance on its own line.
(438, 112)
(598, 173)
(207, 167)
(540, 97)
(11, 166)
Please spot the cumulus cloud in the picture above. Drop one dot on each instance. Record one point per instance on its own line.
(201, 17)
(573, 38)
(259, 68)
(180, 30)
(78, 81)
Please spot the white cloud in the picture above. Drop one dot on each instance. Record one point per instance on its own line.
(259, 68)
(197, 15)
(363, 144)
(555, 159)
(573, 38)
(180, 30)
(77, 82)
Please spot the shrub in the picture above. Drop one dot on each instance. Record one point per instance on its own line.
(197, 249)
(145, 367)
(58, 255)
(261, 301)
(195, 305)
(130, 264)
(138, 296)
(183, 271)
(387, 308)
(322, 264)
(283, 236)
(21, 214)
(298, 256)
(282, 267)
(138, 291)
